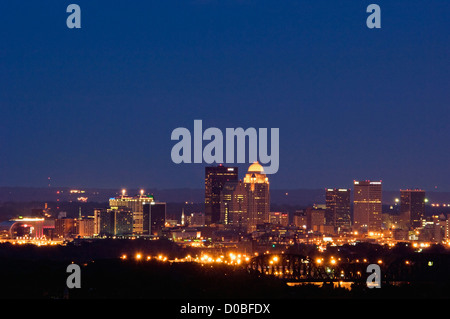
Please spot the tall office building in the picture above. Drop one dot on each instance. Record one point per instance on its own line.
(113, 222)
(215, 179)
(234, 204)
(337, 212)
(105, 222)
(257, 184)
(136, 204)
(123, 221)
(412, 208)
(367, 206)
(154, 218)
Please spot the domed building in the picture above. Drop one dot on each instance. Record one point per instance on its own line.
(256, 168)
(255, 175)
(257, 185)
(246, 203)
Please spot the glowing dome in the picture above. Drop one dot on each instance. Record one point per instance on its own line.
(256, 168)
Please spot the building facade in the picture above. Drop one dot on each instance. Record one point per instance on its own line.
(234, 204)
(412, 208)
(279, 218)
(257, 185)
(136, 205)
(338, 208)
(367, 206)
(154, 218)
(215, 179)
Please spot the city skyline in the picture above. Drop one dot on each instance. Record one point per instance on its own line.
(318, 245)
(225, 157)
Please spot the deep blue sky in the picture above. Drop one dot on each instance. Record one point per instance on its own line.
(96, 106)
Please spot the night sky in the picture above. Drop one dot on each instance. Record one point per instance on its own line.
(95, 107)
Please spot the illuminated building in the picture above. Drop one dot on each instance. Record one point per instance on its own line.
(65, 227)
(315, 218)
(337, 212)
(447, 228)
(110, 222)
(279, 218)
(85, 227)
(185, 233)
(257, 185)
(124, 219)
(234, 204)
(412, 208)
(215, 179)
(154, 218)
(432, 229)
(196, 219)
(367, 206)
(300, 219)
(105, 221)
(97, 212)
(136, 204)
(31, 227)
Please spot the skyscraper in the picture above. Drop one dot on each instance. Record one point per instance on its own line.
(154, 218)
(111, 222)
(337, 213)
(123, 221)
(234, 204)
(215, 179)
(412, 208)
(257, 185)
(367, 206)
(136, 204)
(105, 221)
